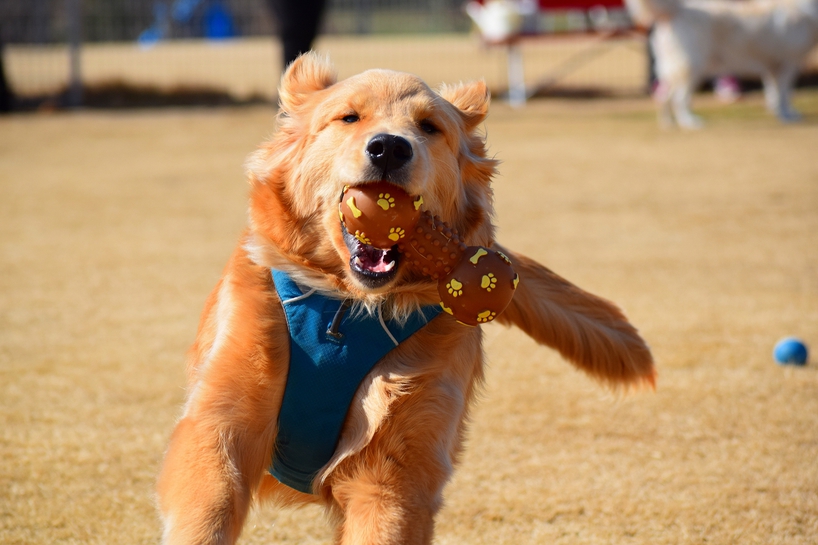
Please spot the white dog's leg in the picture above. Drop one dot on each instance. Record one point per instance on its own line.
(682, 95)
(772, 97)
(777, 90)
(662, 97)
(785, 80)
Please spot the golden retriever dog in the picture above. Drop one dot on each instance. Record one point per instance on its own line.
(696, 39)
(402, 430)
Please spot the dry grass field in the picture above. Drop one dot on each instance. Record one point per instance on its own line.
(114, 227)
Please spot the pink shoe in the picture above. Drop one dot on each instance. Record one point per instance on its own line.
(727, 89)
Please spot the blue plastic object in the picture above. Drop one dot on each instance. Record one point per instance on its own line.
(218, 23)
(790, 351)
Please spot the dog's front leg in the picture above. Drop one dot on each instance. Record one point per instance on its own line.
(217, 456)
(389, 493)
(587, 330)
(662, 96)
(772, 94)
(221, 447)
(681, 99)
(777, 93)
(384, 513)
(204, 490)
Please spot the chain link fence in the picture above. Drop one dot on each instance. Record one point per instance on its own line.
(70, 49)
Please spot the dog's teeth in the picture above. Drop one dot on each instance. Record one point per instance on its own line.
(358, 262)
(389, 266)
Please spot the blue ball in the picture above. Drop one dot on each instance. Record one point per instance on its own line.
(790, 351)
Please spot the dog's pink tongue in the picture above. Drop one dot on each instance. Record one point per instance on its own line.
(375, 260)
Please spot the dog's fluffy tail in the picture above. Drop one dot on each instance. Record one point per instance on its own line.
(647, 12)
(590, 332)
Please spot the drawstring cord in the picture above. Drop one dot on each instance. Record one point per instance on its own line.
(336, 321)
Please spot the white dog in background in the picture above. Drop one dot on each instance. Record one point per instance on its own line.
(696, 39)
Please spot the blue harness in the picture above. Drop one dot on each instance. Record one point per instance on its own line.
(329, 357)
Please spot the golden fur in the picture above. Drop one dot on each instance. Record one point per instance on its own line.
(404, 432)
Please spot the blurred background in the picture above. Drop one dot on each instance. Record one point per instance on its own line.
(109, 52)
(59, 53)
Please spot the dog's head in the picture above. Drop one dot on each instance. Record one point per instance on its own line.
(378, 125)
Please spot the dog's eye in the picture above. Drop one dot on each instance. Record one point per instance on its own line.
(428, 127)
(351, 118)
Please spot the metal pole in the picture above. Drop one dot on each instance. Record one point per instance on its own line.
(516, 76)
(363, 16)
(73, 10)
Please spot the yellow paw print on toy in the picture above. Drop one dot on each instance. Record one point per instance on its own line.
(504, 257)
(418, 202)
(362, 238)
(446, 309)
(489, 282)
(386, 201)
(396, 233)
(516, 280)
(454, 288)
(486, 316)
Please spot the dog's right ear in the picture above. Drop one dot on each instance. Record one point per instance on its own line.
(305, 75)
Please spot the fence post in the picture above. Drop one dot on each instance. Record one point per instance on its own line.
(516, 75)
(73, 10)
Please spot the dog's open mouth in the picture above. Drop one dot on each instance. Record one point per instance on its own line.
(372, 266)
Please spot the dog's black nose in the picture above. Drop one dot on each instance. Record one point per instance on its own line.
(389, 152)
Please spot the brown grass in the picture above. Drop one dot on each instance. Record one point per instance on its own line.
(113, 228)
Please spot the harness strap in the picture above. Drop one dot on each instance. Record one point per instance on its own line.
(330, 354)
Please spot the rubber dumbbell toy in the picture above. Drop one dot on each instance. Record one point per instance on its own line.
(475, 283)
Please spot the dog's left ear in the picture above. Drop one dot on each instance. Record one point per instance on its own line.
(304, 76)
(472, 99)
